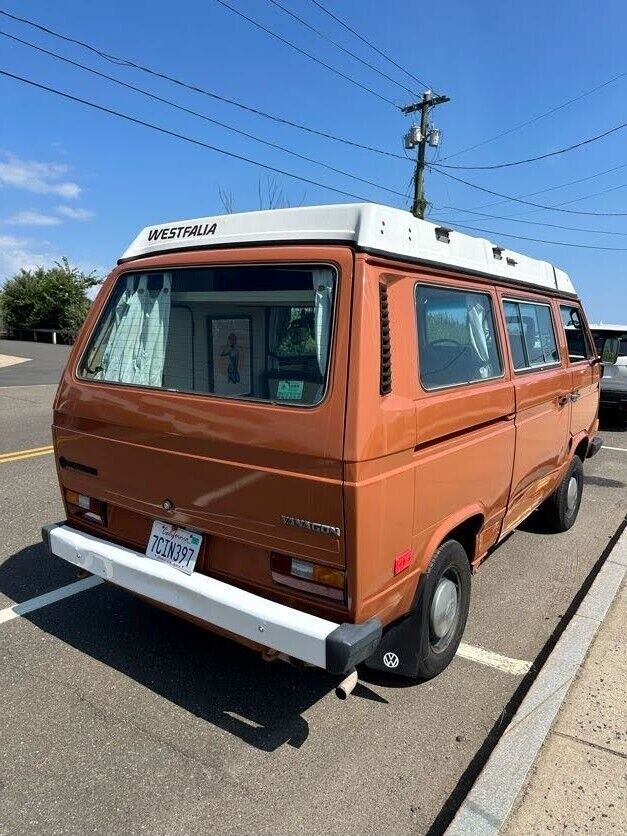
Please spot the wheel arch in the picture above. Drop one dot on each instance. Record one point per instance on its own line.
(464, 526)
(581, 443)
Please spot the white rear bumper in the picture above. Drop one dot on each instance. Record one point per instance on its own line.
(315, 640)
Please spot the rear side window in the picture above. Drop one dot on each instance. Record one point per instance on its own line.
(250, 332)
(457, 337)
(531, 335)
(578, 346)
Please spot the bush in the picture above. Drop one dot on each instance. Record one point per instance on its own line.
(47, 298)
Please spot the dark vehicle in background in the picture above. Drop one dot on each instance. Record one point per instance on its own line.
(611, 344)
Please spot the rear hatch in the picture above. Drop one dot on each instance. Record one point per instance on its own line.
(213, 397)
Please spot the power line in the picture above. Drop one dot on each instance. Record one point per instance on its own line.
(305, 53)
(535, 240)
(557, 206)
(526, 202)
(518, 220)
(535, 118)
(371, 45)
(339, 46)
(555, 188)
(201, 115)
(126, 62)
(578, 199)
(177, 135)
(540, 156)
(258, 164)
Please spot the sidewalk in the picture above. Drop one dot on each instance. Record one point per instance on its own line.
(579, 781)
(560, 766)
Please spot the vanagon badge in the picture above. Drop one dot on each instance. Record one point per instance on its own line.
(315, 527)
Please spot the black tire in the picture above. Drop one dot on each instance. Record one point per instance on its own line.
(561, 508)
(449, 563)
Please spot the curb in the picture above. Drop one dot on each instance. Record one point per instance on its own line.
(494, 793)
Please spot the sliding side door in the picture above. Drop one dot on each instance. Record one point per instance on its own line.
(543, 404)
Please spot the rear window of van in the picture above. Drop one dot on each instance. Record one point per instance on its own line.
(248, 332)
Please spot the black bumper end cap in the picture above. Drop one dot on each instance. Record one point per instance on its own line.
(45, 533)
(350, 644)
(594, 446)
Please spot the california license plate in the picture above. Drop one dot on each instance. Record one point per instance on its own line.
(175, 546)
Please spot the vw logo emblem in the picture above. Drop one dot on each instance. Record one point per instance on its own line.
(391, 660)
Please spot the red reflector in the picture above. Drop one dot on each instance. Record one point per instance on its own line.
(402, 562)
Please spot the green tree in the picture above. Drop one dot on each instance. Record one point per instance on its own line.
(55, 297)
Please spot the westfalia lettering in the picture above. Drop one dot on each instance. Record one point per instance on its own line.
(169, 232)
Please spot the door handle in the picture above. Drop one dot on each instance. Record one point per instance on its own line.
(575, 396)
(563, 400)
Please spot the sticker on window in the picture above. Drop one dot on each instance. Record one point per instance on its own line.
(290, 390)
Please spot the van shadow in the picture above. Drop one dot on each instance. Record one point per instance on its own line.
(536, 524)
(213, 678)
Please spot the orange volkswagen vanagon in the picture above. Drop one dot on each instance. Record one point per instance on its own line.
(306, 428)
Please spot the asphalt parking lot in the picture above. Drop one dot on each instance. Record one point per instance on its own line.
(119, 718)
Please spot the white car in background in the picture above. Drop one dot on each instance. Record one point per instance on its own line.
(611, 344)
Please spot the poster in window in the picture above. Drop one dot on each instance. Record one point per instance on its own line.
(231, 355)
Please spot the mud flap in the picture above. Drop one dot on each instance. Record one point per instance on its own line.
(401, 648)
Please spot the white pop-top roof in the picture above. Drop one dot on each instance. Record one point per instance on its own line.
(603, 326)
(368, 226)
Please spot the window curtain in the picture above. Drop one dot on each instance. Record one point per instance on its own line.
(478, 329)
(323, 303)
(113, 356)
(139, 335)
(155, 334)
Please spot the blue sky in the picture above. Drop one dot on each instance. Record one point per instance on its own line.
(79, 183)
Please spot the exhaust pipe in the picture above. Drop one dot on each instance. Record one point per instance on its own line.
(346, 686)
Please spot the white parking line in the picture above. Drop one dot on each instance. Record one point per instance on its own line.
(620, 449)
(493, 660)
(48, 598)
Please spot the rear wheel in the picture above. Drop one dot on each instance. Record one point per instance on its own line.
(446, 601)
(561, 508)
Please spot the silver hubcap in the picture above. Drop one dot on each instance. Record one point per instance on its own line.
(444, 607)
(573, 492)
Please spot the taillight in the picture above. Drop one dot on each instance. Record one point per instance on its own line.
(308, 577)
(86, 507)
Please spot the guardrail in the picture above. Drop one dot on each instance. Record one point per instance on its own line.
(50, 335)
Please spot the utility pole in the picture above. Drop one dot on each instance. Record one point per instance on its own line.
(420, 137)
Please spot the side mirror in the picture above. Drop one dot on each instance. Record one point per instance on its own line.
(610, 350)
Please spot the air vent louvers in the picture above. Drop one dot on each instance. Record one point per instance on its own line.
(385, 380)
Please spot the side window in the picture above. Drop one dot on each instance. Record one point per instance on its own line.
(456, 336)
(531, 335)
(578, 346)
